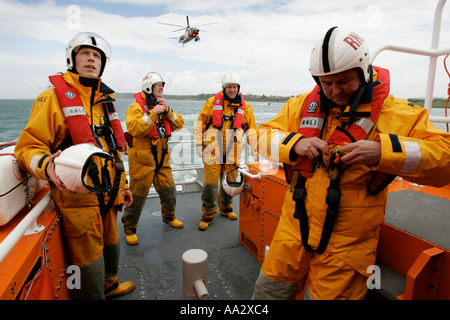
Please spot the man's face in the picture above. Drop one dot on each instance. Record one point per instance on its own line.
(231, 90)
(158, 90)
(88, 62)
(341, 87)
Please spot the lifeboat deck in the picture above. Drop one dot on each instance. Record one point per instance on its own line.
(155, 264)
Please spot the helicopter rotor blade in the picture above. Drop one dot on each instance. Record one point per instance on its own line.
(187, 20)
(207, 24)
(169, 24)
(184, 28)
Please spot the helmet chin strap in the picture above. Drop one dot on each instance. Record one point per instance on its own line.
(150, 99)
(355, 101)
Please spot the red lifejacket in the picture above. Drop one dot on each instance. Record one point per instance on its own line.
(75, 115)
(366, 115)
(153, 132)
(218, 112)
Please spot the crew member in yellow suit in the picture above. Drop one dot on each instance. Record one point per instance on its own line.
(90, 232)
(332, 140)
(218, 132)
(150, 122)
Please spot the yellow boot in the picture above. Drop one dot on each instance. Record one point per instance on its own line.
(203, 225)
(113, 288)
(229, 214)
(176, 223)
(207, 219)
(130, 231)
(132, 239)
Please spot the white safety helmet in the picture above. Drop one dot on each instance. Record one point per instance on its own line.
(232, 188)
(230, 78)
(74, 165)
(339, 51)
(149, 80)
(88, 39)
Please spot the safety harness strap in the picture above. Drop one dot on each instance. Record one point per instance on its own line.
(332, 200)
(155, 156)
(93, 173)
(298, 196)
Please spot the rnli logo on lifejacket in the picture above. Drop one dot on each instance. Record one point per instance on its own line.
(312, 107)
(217, 101)
(70, 94)
(312, 122)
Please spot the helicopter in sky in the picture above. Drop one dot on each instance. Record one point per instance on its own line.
(190, 33)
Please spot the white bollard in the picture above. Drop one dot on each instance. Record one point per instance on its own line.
(195, 275)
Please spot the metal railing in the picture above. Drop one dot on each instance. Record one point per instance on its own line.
(433, 53)
(27, 226)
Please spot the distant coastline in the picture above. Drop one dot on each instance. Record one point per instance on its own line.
(437, 102)
(205, 96)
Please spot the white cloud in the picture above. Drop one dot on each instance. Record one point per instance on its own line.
(266, 42)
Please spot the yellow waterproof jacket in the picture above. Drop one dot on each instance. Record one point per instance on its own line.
(412, 148)
(45, 131)
(139, 124)
(210, 144)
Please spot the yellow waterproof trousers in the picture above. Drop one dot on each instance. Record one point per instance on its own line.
(288, 267)
(212, 194)
(92, 241)
(143, 175)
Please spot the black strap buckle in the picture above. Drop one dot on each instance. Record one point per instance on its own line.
(299, 194)
(333, 199)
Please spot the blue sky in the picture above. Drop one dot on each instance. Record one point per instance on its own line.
(266, 42)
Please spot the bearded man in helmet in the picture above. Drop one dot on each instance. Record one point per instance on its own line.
(341, 144)
(150, 123)
(78, 110)
(218, 133)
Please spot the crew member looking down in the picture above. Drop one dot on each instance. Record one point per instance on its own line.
(79, 111)
(150, 123)
(341, 144)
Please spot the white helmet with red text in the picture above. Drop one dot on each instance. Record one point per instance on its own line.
(87, 39)
(149, 80)
(340, 50)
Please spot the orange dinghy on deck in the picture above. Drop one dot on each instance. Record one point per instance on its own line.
(32, 256)
(413, 256)
(35, 269)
